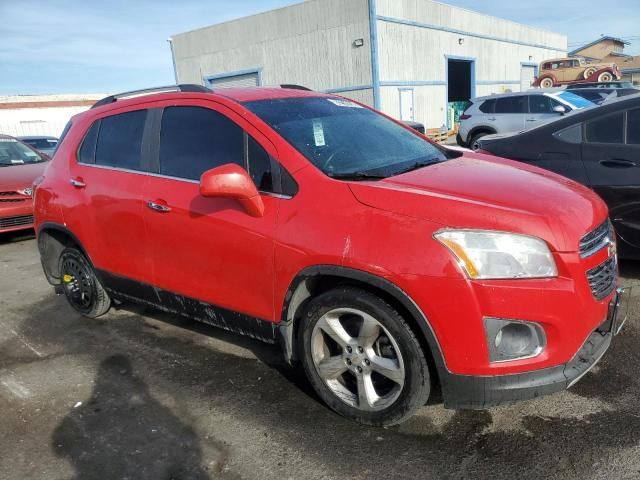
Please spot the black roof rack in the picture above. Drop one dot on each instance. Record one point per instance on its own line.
(295, 87)
(185, 87)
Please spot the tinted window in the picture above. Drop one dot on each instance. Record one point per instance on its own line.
(87, 153)
(488, 106)
(194, 140)
(511, 104)
(259, 165)
(633, 126)
(572, 134)
(607, 129)
(120, 140)
(541, 104)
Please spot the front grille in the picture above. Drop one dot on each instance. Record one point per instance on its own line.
(602, 279)
(12, 200)
(10, 222)
(8, 194)
(596, 239)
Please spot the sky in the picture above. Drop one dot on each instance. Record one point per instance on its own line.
(106, 46)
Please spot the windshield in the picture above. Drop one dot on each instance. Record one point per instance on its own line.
(574, 100)
(12, 152)
(344, 139)
(41, 143)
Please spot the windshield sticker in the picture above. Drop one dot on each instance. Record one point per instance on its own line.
(31, 154)
(318, 133)
(8, 140)
(344, 103)
(17, 162)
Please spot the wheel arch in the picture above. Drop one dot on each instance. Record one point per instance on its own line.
(315, 280)
(480, 129)
(53, 238)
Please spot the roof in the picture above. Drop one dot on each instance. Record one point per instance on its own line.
(601, 39)
(249, 94)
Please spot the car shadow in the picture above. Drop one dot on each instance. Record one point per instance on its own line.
(97, 437)
(18, 236)
(571, 434)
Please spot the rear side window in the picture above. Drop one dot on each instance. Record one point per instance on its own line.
(195, 139)
(120, 140)
(488, 106)
(633, 126)
(609, 129)
(515, 104)
(87, 152)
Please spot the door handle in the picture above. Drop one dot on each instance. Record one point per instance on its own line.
(617, 163)
(531, 120)
(493, 119)
(77, 182)
(158, 207)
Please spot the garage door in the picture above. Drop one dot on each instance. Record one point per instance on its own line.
(527, 74)
(244, 80)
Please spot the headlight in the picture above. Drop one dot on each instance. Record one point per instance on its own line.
(486, 254)
(26, 191)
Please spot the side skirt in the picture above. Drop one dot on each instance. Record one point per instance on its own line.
(125, 289)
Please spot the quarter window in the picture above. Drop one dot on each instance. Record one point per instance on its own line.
(488, 106)
(609, 129)
(516, 104)
(259, 163)
(195, 139)
(120, 140)
(633, 126)
(87, 153)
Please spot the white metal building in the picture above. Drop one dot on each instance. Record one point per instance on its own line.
(408, 58)
(41, 114)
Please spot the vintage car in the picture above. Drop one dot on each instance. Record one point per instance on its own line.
(563, 71)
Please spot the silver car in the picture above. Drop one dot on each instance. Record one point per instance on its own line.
(514, 112)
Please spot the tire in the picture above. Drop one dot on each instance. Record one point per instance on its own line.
(588, 72)
(350, 382)
(605, 77)
(546, 82)
(473, 144)
(82, 288)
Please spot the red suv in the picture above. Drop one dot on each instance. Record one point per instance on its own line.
(383, 263)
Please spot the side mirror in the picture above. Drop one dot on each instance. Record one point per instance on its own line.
(560, 109)
(232, 181)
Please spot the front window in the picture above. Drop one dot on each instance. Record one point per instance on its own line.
(13, 152)
(346, 140)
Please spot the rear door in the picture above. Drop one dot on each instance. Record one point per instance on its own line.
(611, 154)
(509, 113)
(104, 198)
(210, 249)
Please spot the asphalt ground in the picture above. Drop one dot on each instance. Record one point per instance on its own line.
(140, 394)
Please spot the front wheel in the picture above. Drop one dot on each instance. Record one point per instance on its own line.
(605, 77)
(362, 358)
(475, 141)
(82, 288)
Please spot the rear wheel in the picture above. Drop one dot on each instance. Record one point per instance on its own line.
(474, 143)
(81, 286)
(605, 77)
(362, 358)
(546, 82)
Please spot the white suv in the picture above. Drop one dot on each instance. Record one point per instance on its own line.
(514, 112)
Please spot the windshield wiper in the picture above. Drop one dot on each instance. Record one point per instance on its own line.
(355, 176)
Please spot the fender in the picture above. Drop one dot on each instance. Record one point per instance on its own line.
(53, 249)
(300, 290)
(474, 130)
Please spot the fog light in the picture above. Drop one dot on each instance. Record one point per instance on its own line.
(513, 339)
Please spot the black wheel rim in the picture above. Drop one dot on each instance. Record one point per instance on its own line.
(78, 284)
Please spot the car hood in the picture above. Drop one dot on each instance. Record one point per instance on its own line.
(20, 176)
(486, 192)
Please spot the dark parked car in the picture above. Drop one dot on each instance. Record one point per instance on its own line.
(599, 147)
(599, 95)
(42, 143)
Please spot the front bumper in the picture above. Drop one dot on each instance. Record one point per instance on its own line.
(15, 214)
(479, 392)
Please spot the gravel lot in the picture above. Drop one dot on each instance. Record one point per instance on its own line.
(140, 394)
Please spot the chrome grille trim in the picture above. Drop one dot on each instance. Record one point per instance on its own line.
(602, 278)
(10, 222)
(597, 239)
